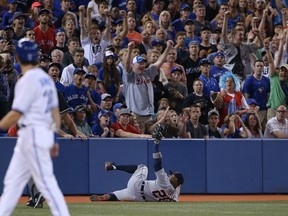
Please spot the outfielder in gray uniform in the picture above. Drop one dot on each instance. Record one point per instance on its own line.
(165, 188)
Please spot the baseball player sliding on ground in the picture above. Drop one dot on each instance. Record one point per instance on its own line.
(165, 188)
(35, 110)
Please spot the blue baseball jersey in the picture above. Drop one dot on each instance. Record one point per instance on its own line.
(76, 96)
(210, 85)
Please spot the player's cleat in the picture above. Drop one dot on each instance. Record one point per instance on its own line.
(109, 166)
(39, 199)
(95, 198)
(157, 134)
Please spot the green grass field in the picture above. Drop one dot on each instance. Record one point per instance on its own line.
(277, 208)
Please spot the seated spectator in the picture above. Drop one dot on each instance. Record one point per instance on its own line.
(163, 103)
(91, 84)
(102, 129)
(175, 121)
(54, 69)
(117, 107)
(231, 129)
(277, 127)
(213, 130)
(253, 125)
(194, 129)
(80, 120)
(123, 129)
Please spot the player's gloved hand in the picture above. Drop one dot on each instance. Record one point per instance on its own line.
(158, 132)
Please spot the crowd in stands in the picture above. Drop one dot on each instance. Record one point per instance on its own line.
(203, 68)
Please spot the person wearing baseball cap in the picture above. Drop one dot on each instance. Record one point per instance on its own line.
(210, 84)
(44, 34)
(179, 23)
(7, 16)
(37, 112)
(102, 129)
(213, 130)
(218, 68)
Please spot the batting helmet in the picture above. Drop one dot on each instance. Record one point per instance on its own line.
(27, 50)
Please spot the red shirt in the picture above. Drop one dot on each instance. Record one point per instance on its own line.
(45, 40)
(129, 128)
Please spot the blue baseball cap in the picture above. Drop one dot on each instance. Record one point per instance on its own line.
(59, 30)
(12, 1)
(102, 113)
(7, 27)
(27, 50)
(156, 42)
(219, 54)
(43, 11)
(176, 68)
(185, 6)
(189, 21)
(204, 61)
(138, 59)
(79, 70)
(252, 101)
(118, 21)
(90, 75)
(117, 106)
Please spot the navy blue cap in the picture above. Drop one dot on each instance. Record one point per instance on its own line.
(12, 1)
(118, 21)
(204, 61)
(8, 27)
(59, 30)
(189, 21)
(252, 101)
(27, 50)
(156, 42)
(43, 11)
(87, 75)
(179, 176)
(78, 70)
(185, 6)
(176, 68)
(219, 54)
(55, 64)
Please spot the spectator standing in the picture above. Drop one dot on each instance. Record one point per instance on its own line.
(133, 35)
(157, 8)
(7, 16)
(179, 24)
(145, 44)
(191, 64)
(257, 86)
(194, 129)
(54, 69)
(210, 84)
(60, 39)
(200, 21)
(218, 69)
(165, 23)
(44, 34)
(18, 24)
(176, 91)
(189, 28)
(91, 84)
(205, 47)
(277, 127)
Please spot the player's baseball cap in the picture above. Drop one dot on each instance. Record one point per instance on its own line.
(252, 101)
(117, 106)
(90, 75)
(36, 4)
(16, 15)
(138, 59)
(124, 111)
(27, 50)
(204, 61)
(79, 70)
(55, 64)
(176, 68)
(59, 30)
(213, 112)
(179, 176)
(43, 11)
(103, 113)
(105, 95)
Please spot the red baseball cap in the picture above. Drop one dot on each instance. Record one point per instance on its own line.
(36, 4)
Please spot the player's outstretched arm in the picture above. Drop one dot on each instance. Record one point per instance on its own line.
(157, 156)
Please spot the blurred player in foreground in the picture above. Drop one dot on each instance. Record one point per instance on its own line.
(35, 110)
(165, 188)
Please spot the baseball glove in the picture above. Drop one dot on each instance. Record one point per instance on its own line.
(217, 99)
(158, 132)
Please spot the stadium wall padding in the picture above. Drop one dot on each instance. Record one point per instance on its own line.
(218, 166)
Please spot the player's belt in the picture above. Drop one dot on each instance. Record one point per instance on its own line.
(142, 191)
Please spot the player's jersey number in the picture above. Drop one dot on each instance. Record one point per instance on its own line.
(161, 196)
(48, 94)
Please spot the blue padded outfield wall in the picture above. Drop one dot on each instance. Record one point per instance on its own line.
(223, 166)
